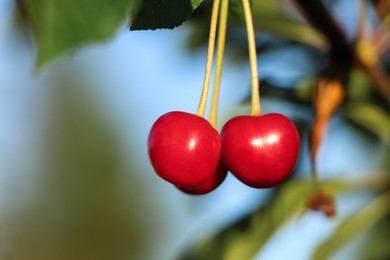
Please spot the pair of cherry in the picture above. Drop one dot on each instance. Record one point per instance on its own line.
(185, 150)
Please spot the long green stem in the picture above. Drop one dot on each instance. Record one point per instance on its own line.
(256, 111)
(219, 63)
(209, 59)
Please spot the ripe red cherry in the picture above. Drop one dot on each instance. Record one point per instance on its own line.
(216, 180)
(184, 149)
(261, 151)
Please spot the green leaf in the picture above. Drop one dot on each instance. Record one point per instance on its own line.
(133, 9)
(377, 242)
(353, 225)
(236, 8)
(243, 239)
(270, 17)
(288, 202)
(196, 3)
(63, 25)
(371, 117)
(77, 209)
(163, 14)
(359, 87)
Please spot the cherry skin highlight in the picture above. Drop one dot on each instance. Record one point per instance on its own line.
(213, 183)
(184, 149)
(260, 151)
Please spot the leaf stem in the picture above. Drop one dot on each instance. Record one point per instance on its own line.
(256, 111)
(209, 59)
(219, 63)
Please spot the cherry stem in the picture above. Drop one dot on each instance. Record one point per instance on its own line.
(209, 59)
(219, 63)
(256, 111)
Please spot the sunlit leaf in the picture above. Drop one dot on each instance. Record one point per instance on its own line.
(60, 26)
(371, 117)
(63, 25)
(269, 17)
(377, 242)
(195, 3)
(353, 225)
(244, 238)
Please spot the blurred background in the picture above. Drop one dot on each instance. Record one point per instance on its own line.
(75, 181)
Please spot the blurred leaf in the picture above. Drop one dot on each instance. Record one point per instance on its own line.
(63, 25)
(367, 51)
(269, 17)
(236, 8)
(301, 94)
(158, 14)
(353, 225)
(359, 86)
(287, 203)
(374, 70)
(84, 202)
(377, 243)
(370, 117)
(383, 8)
(328, 96)
(244, 238)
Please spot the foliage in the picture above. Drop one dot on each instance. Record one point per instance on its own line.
(353, 225)
(60, 26)
(358, 66)
(244, 238)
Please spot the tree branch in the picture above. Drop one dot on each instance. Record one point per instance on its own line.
(317, 15)
(342, 51)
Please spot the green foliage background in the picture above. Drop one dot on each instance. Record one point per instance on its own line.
(61, 27)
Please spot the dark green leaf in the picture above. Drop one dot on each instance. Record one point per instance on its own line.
(64, 25)
(353, 225)
(163, 14)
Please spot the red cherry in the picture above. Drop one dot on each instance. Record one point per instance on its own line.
(261, 151)
(184, 149)
(216, 180)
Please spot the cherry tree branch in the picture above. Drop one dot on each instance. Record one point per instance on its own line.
(342, 51)
(318, 16)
